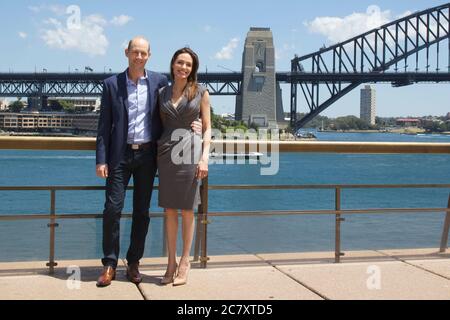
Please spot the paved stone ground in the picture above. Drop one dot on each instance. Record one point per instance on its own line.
(421, 274)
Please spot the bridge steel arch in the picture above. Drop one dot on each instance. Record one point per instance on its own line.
(330, 73)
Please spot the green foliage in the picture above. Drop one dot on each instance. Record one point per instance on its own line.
(67, 106)
(349, 123)
(16, 106)
(386, 122)
(223, 125)
(55, 105)
(341, 123)
(434, 126)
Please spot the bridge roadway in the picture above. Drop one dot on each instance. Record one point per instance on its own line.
(286, 77)
(218, 83)
(407, 274)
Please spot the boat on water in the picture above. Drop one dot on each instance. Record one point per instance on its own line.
(300, 135)
(247, 156)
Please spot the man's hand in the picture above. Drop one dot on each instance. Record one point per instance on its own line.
(197, 126)
(102, 170)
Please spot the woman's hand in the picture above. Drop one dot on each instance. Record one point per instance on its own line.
(197, 126)
(202, 169)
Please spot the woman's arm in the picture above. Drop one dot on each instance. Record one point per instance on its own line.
(205, 109)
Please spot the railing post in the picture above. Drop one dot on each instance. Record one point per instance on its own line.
(444, 239)
(204, 221)
(198, 229)
(337, 251)
(51, 264)
(165, 251)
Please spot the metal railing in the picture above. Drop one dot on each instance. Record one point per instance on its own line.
(338, 211)
(200, 246)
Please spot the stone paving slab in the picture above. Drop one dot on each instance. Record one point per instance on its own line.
(416, 254)
(404, 274)
(254, 283)
(380, 280)
(321, 257)
(243, 260)
(61, 286)
(439, 267)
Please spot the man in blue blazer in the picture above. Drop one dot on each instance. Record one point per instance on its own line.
(128, 129)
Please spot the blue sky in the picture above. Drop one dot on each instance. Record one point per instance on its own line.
(37, 35)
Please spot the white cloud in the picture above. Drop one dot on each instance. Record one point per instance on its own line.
(97, 19)
(56, 9)
(35, 9)
(226, 53)
(407, 13)
(207, 28)
(121, 20)
(340, 29)
(23, 35)
(284, 51)
(87, 37)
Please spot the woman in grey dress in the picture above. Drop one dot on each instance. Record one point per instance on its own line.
(182, 157)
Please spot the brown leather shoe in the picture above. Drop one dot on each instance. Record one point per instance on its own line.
(108, 274)
(133, 273)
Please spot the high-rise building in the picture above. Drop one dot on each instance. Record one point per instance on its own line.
(368, 104)
(3, 104)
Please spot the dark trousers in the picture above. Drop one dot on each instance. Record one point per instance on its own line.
(140, 164)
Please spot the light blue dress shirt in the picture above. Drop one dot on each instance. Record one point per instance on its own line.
(138, 108)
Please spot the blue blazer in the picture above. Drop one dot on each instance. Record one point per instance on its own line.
(113, 122)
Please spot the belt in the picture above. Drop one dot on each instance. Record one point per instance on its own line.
(142, 146)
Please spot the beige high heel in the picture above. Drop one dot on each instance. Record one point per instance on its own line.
(169, 278)
(182, 274)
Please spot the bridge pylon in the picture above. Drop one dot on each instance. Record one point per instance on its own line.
(260, 101)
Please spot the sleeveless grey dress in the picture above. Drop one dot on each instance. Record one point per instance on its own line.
(179, 151)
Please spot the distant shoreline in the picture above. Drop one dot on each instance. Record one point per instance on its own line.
(407, 131)
(398, 131)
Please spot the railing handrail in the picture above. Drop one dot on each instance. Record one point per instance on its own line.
(243, 187)
(88, 144)
(70, 216)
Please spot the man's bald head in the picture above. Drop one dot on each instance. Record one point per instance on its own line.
(139, 40)
(138, 53)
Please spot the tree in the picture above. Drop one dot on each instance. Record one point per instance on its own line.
(16, 106)
(434, 126)
(351, 122)
(218, 122)
(254, 126)
(67, 106)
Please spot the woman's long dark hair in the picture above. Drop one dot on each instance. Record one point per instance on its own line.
(191, 87)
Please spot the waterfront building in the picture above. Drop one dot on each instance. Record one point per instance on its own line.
(3, 105)
(407, 122)
(80, 104)
(368, 104)
(35, 121)
(227, 116)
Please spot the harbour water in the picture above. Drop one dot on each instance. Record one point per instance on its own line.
(81, 239)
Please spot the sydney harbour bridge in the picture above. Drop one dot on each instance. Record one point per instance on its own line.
(413, 49)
